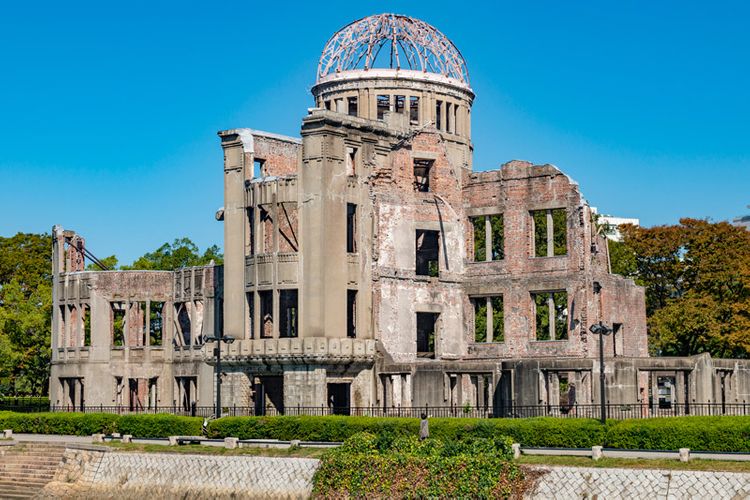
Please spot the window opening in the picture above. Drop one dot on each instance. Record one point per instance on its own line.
(426, 325)
(351, 228)
(551, 312)
(351, 104)
(422, 170)
(118, 323)
(438, 115)
(428, 253)
(156, 323)
(288, 311)
(259, 168)
(266, 314)
(616, 338)
(250, 235)
(489, 319)
(400, 104)
(351, 313)
(383, 105)
(351, 161)
(414, 110)
(250, 314)
(86, 313)
(550, 232)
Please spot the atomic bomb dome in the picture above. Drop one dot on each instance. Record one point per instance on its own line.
(395, 42)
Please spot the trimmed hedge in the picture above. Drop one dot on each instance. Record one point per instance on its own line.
(697, 433)
(86, 424)
(555, 432)
(159, 425)
(79, 424)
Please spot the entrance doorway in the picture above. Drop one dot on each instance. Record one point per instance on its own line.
(339, 398)
(269, 395)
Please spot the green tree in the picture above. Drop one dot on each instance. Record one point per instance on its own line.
(181, 253)
(697, 279)
(110, 262)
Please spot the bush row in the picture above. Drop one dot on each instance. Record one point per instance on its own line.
(85, 424)
(696, 433)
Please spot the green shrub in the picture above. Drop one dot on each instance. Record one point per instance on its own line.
(80, 424)
(410, 468)
(159, 425)
(696, 433)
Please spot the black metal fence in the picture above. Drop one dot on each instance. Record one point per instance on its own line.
(614, 411)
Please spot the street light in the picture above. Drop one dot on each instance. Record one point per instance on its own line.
(601, 329)
(227, 339)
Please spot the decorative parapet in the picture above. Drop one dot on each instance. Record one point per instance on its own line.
(318, 350)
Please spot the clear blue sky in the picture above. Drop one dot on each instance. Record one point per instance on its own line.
(109, 110)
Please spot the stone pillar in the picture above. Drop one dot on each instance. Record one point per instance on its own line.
(238, 160)
(596, 452)
(396, 385)
(406, 391)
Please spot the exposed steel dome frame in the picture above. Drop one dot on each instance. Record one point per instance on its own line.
(412, 45)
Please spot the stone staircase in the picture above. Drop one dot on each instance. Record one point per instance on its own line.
(27, 467)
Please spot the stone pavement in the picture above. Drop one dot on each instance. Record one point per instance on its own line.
(585, 482)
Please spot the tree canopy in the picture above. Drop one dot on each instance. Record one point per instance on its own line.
(697, 279)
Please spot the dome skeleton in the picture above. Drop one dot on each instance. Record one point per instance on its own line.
(416, 44)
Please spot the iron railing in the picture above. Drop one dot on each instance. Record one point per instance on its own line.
(614, 411)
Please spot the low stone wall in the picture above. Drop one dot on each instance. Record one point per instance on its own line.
(586, 482)
(95, 472)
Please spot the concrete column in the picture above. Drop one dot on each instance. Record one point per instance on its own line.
(489, 319)
(147, 324)
(551, 312)
(550, 235)
(487, 238)
(396, 385)
(406, 391)
(238, 153)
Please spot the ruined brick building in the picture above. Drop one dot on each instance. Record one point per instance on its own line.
(368, 263)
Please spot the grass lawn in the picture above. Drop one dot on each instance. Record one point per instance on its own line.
(636, 463)
(198, 449)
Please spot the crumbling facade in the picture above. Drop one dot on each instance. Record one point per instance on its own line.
(368, 265)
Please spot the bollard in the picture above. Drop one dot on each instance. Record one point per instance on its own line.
(684, 454)
(596, 452)
(173, 440)
(516, 450)
(231, 443)
(127, 438)
(294, 443)
(97, 438)
(8, 433)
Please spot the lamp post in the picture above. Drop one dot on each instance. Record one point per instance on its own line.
(601, 329)
(227, 339)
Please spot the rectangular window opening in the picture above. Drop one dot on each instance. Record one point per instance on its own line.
(86, 318)
(288, 310)
(426, 326)
(414, 110)
(183, 322)
(497, 233)
(428, 253)
(351, 313)
(551, 312)
(351, 161)
(400, 104)
(550, 232)
(266, 225)
(118, 323)
(259, 168)
(422, 170)
(156, 323)
(489, 319)
(616, 339)
(480, 238)
(266, 314)
(351, 228)
(383, 105)
(328, 105)
(351, 104)
(439, 115)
